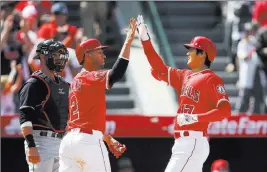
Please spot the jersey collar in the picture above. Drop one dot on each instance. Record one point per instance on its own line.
(202, 72)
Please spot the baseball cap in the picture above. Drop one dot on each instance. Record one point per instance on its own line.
(92, 44)
(29, 12)
(88, 45)
(219, 164)
(59, 8)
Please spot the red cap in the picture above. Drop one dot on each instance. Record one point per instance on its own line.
(219, 164)
(29, 12)
(90, 44)
(205, 44)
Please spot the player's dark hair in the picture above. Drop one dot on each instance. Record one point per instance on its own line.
(207, 61)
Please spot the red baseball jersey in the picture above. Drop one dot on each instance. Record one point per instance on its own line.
(87, 101)
(197, 93)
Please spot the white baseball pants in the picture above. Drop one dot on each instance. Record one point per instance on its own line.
(189, 153)
(81, 152)
(48, 148)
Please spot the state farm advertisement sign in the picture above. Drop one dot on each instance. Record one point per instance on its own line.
(143, 126)
(239, 126)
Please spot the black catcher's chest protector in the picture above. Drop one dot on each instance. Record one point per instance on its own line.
(55, 107)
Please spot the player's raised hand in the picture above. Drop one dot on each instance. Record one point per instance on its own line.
(131, 31)
(9, 22)
(142, 29)
(33, 155)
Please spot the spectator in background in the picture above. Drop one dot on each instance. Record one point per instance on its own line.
(249, 72)
(125, 165)
(59, 30)
(220, 165)
(10, 48)
(7, 22)
(27, 35)
(19, 37)
(237, 13)
(261, 49)
(260, 13)
(8, 88)
(43, 8)
(72, 66)
(261, 46)
(96, 13)
(6, 10)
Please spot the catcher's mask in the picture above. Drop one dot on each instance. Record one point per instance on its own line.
(56, 54)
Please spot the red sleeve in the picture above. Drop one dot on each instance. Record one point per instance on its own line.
(153, 58)
(218, 114)
(256, 11)
(72, 30)
(173, 77)
(47, 31)
(217, 93)
(219, 101)
(155, 74)
(44, 32)
(21, 5)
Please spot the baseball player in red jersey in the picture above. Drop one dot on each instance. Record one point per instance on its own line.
(83, 148)
(201, 98)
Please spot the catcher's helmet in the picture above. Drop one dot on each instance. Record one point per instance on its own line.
(86, 46)
(56, 54)
(205, 44)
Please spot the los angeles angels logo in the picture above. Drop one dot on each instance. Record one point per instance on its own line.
(220, 89)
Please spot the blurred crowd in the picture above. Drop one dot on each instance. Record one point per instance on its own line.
(246, 37)
(25, 23)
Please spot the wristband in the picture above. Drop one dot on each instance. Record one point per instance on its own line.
(30, 141)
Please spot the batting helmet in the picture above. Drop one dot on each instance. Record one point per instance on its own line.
(86, 46)
(219, 164)
(205, 44)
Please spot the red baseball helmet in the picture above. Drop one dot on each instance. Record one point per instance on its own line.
(205, 44)
(219, 164)
(88, 45)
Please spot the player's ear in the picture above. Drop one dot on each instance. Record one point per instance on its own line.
(90, 55)
(87, 57)
(201, 54)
